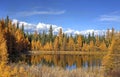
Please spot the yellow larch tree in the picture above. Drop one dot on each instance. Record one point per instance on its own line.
(4, 69)
(71, 45)
(115, 45)
(27, 44)
(97, 42)
(3, 48)
(79, 43)
(109, 61)
(64, 44)
(33, 45)
(56, 44)
(85, 47)
(9, 33)
(91, 45)
(60, 35)
(46, 47)
(38, 45)
(20, 40)
(50, 46)
(103, 46)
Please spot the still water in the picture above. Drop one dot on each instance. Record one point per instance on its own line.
(68, 62)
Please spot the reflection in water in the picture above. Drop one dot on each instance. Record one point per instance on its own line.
(67, 61)
(71, 67)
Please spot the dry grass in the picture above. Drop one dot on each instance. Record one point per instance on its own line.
(44, 71)
(113, 73)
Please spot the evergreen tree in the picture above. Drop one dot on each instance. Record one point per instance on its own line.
(17, 25)
(89, 38)
(108, 38)
(7, 21)
(51, 34)
(43, 40)
(22, 28)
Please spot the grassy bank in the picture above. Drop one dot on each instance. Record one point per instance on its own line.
(44, 71)
(24, 70)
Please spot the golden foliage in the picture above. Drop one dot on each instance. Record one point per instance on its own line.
(36, 45)
(103, 46)
(108, 63)
(70, 45)
(85, 47)
(3, 49)
(92, 47)
(79, 43)
(115, 45)
(56, 44)
(22, 42)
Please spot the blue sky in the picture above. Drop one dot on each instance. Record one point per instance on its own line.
(73, 14)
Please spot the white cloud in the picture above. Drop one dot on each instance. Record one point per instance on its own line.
(27, 26)
(57, 29)
(113, 16)
(14, 21)
(42, 26)
(77, 32)
(38, 27)
(30, 13)
(110, 18)
(69, 31)
(96, 32)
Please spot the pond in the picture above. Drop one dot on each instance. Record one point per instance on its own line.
(68, 62)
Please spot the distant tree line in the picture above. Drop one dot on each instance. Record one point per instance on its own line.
(18, 42)
(14, 42)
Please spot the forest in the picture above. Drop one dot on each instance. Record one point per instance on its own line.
(14, 42)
